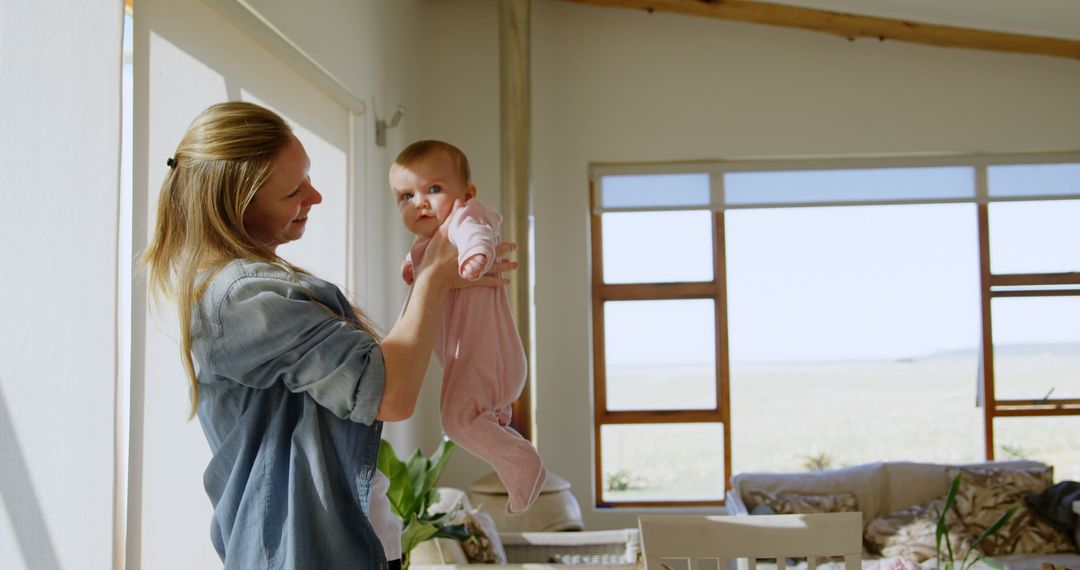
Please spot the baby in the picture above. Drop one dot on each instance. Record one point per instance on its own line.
(477, 341)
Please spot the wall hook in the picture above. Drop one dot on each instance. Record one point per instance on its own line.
(381, 125)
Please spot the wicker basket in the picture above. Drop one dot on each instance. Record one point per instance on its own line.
(596, 547)
(555, 509)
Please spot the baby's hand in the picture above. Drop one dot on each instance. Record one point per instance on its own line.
(407, 273)
(473, 266)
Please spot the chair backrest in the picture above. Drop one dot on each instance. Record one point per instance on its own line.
(747, 539)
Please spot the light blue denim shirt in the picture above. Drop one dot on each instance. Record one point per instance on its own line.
(288, 392)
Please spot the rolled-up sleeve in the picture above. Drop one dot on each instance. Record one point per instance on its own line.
(271, 330)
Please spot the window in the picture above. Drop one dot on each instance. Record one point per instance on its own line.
(661, 395)
(837, 311)
(802, 316)
(1030, 302)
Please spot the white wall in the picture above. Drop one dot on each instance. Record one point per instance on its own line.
(619, 85)
(195, 56)
(60, 159)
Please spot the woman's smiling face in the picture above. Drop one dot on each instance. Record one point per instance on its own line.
(278, 212)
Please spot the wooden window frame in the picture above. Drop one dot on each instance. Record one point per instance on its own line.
(1036, 285)
(603, 292)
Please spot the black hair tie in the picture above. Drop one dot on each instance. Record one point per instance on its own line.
(171, 162)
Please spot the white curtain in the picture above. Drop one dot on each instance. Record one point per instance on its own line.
(60, 70)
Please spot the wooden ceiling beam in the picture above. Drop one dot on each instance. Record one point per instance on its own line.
(853, 26)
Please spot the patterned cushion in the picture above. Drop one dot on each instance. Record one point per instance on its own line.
(796, 504)
(1052, 566)
(910, 533)
(987, 492)
(484, 546)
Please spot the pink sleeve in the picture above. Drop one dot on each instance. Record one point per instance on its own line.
(475, 230)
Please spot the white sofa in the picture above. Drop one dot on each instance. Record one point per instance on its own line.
(880, 488)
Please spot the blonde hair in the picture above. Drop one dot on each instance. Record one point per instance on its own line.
(421, 149)
(224, 157)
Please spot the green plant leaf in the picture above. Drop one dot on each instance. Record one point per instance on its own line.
(456, 532)
(419, 468)
(969, 564)
(416, 532)
(942, 529)
(1000, 522)
(416, 472)
(964, 564)
(440, 458)
(400, 489)
(425, 473)
(441, 519)
(991, 563)
(939, 532)
(429, 498)
(412, 491)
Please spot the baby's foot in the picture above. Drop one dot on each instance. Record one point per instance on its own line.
(473, 267)
(504, 414)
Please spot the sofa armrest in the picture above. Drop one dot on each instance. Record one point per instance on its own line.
(734, 504)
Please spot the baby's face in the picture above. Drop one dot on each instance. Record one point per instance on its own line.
(425, 191)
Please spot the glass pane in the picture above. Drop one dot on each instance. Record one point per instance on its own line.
(861, 185)
(872, 355)
(1034, 237)
(814, 416)
(657, 247)
(660, 355)
(1053, 440)
(658, 462)
(1033, 180)
(1036, 347)
(652, 190)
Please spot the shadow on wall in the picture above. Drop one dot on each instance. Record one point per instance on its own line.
(17, 492)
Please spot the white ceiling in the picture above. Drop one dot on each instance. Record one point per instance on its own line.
(1054, 18)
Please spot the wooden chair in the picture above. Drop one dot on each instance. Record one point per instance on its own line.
(749, 538)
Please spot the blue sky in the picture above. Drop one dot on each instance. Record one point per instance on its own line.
(840, 282)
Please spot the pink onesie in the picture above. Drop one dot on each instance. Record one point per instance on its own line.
(483, 361)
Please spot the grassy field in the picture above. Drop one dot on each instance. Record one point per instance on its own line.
(797, 416)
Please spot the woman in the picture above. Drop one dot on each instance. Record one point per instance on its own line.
(289, 381)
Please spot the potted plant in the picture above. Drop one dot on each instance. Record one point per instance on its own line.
(412, 490)
(941, 534)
